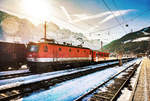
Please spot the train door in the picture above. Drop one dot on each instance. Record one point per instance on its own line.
(96, 56)
(92, 56)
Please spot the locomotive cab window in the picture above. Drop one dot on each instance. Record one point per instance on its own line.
(33, 48)
(45, 49)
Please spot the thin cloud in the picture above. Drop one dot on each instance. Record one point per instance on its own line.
(66, 13)
(115, 14)
(110, 16)
(83, 17)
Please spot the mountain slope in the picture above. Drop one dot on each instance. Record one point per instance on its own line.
(135, 42)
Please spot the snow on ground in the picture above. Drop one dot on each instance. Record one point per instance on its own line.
(141, 39)
(101, 89)
(13, 72)
(126, 41)
(24, 67)
(72, 89)
(121, 75)
(137, 62)
(14, 82)
(126, 93)
(138, 40)
(146, 33)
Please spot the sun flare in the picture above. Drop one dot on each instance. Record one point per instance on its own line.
(37, 9)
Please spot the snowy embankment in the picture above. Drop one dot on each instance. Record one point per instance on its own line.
(72, 89)
(15, 82)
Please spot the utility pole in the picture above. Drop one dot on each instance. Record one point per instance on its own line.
(45, 31)
(101, 45)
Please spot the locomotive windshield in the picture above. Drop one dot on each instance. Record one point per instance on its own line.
(33, 48)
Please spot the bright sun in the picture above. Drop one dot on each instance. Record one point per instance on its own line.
(37, 9)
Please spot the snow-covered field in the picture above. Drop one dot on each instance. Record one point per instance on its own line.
(72, 89)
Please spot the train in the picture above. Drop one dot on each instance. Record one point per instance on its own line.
(12, 55)
(50, 56)
(47, 56)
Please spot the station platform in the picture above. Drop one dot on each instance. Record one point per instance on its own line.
(142, 91)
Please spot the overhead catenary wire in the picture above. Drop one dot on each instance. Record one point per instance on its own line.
(105, 29)
(113, 15)
(123, 18)
(130, 20)
(115, 25)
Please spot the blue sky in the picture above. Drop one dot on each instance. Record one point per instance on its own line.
(90, 17)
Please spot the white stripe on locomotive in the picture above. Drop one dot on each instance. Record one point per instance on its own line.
(56, 59)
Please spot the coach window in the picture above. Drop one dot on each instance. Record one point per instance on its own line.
(59, 49)
(45, 49)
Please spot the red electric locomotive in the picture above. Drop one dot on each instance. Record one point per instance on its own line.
(49, 56)
(44, 56)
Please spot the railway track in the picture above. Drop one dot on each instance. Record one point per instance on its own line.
(12, 92)
(9, 76)
(113, 90)
(25, 88)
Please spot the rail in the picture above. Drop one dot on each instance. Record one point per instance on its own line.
(110, 96)
(14, 91)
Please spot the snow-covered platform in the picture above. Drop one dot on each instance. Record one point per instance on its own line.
(142, 91)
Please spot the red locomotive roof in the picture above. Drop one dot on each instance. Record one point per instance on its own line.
(68, 45)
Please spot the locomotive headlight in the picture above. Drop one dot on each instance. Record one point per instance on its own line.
(37, 9)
